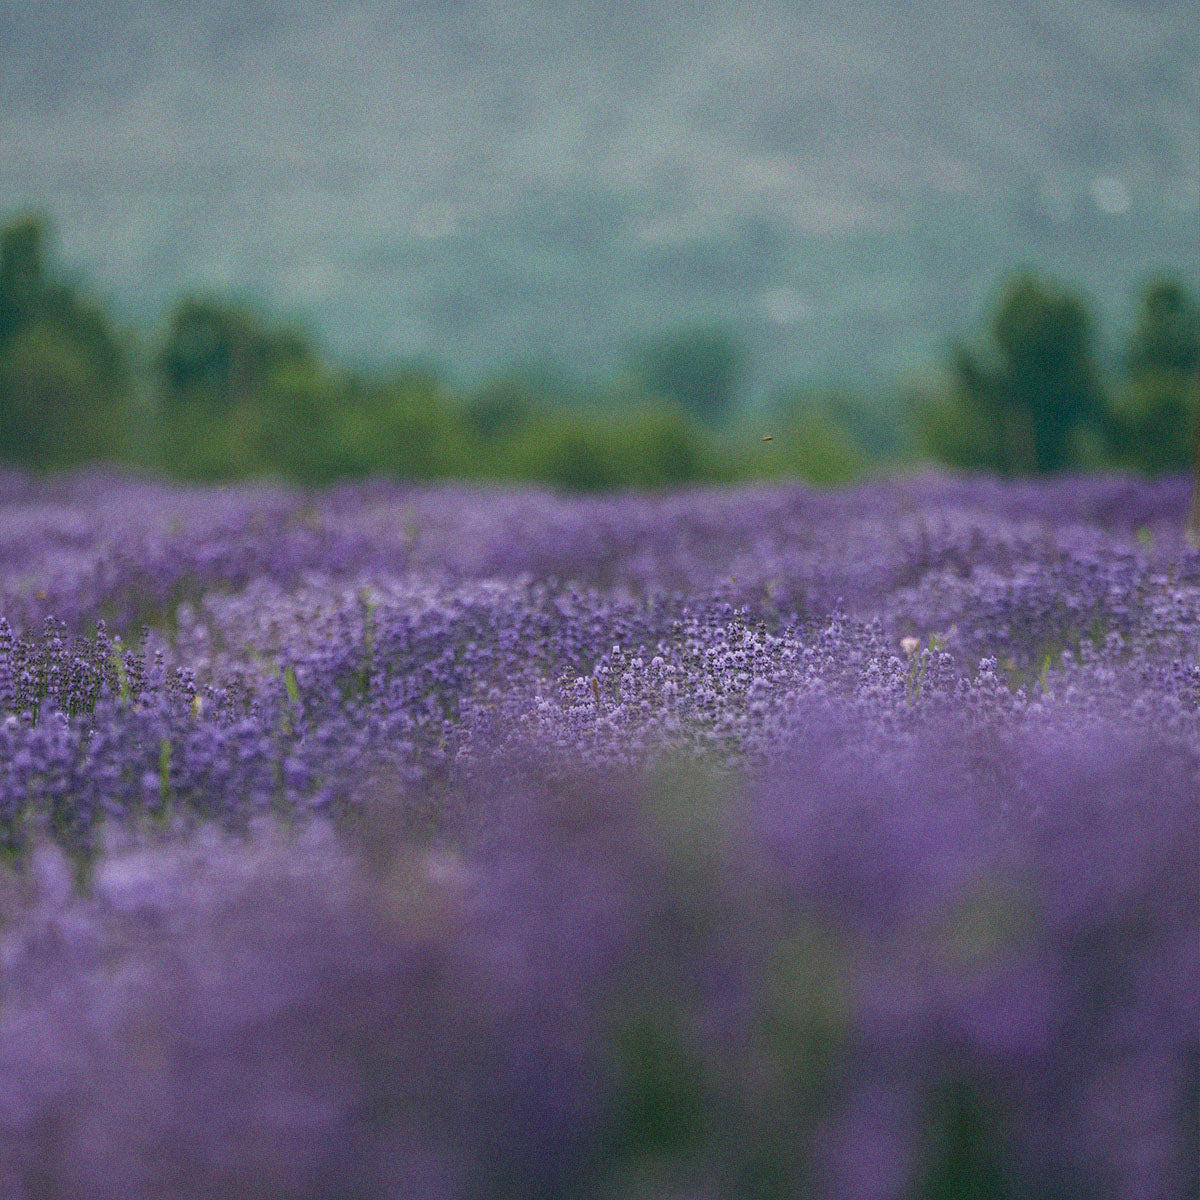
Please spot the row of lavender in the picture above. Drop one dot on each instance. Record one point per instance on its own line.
(757, 843)
(296, 640)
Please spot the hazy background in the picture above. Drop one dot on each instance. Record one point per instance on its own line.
(842, 185)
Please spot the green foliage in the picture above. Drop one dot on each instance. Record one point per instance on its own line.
(192, 444)
(418, 429)
(229, 393)
(1017, 405)
(586, 450)
(219, 355)
(699, 369)
(1032, 399)
(1166, 332)
(500, 409)
(1153, 423)
(62, 370)
(23, 277)
(1047, 376)
(807, 441)
(302, 426)
(957, 427)
(1153, 420)
(51, 403)
(235, 396)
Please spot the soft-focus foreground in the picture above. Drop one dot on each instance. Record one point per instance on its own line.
(443, 843)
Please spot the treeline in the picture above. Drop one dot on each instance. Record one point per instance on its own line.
(221, 392)
(1031, 397)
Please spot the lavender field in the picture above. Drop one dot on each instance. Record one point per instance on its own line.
(754, 843)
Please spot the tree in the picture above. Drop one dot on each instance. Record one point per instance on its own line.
(62, 369)
(238, 396)
(46, 387)
(1020, 404)
(699, 369)
(1166, 332)
(22, 272)
(217, 355)
(1153, 416)
(1047, 371)
(501, 408)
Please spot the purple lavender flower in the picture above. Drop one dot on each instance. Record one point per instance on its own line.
(398, 842)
